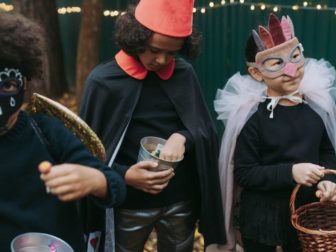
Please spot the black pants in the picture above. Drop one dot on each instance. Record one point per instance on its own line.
(174, 225)
(252, 246)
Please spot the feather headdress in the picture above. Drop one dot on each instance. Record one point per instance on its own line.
(276, 34)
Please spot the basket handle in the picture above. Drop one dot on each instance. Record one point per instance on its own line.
(296, 189)
(292, 199)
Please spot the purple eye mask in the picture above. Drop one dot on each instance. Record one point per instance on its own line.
(283, 53)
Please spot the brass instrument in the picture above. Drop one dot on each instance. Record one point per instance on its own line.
(42, 104)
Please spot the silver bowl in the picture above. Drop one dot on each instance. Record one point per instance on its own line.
(39, 242)
(149, 151)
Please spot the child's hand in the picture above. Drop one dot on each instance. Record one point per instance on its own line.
(139, 176)
(174, 148)
(327, 191)
(71, 182)
(307, 174)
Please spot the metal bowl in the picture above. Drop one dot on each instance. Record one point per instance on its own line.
(39, 242)
(148, 147)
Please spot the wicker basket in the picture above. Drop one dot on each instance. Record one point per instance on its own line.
(315, 224)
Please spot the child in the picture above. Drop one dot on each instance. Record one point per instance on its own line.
(147, 91)
(25, 206)
(280, 131)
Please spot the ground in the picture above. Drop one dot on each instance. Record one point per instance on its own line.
(151, 243)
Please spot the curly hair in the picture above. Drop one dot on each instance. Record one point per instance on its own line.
(21, 44)
(132, 37)
(251, 49)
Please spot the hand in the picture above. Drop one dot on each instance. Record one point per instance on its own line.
(71, 181)
(307, 173)
(174, 148)
(138, 176)
(327, 190)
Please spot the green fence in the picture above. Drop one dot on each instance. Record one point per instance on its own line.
(225, 29)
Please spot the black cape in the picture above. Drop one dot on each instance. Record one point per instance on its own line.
(109, 99)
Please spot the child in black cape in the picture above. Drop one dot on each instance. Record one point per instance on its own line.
(148, 91)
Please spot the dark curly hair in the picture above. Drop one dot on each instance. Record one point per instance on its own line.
(21, 44)
(251, 49)
(132, 37)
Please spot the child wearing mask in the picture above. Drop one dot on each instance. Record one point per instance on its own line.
(70, 172)
(280, 131)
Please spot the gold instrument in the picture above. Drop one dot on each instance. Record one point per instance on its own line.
(42, 104)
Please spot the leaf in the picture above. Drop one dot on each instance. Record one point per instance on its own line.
(286, 28)
(291, 25)
(258, 41)
(266, 37)
(275, 29)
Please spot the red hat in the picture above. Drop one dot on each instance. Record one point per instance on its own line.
(167, 17)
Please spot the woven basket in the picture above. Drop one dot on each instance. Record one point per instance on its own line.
(315, 224)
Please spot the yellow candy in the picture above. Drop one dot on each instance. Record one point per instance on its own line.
(45, 167)
(318, 194)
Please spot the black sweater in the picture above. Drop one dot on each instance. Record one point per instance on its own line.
(154, 115)
(24, 204)
(265, 153)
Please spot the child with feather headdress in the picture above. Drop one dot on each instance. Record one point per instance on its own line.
(280, 127)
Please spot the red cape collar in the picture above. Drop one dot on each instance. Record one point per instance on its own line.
(136, 70)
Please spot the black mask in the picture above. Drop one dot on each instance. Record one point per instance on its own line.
(11, 95)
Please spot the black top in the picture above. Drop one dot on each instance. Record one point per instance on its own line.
(109, 102)
(24, 204)
(155, 115)
(265, 153)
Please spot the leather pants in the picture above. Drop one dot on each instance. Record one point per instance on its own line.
(174, 225)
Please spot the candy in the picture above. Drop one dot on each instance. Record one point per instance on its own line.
(318, 194)
(157, 150)
(45, 167)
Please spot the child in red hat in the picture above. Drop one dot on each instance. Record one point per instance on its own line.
(280, 130)
(146, 90)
